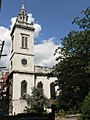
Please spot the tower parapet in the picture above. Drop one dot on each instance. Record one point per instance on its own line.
(22, 21)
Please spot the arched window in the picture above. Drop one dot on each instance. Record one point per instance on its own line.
(52, 90)
(23, 89)
(40, 85)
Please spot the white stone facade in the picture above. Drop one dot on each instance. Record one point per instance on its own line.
(22, 64)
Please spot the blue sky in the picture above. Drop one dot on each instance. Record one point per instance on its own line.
(53, 20)
(55, 16)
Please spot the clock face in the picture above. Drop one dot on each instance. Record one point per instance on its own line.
(24, 62)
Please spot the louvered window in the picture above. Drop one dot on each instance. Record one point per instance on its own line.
(24, 42)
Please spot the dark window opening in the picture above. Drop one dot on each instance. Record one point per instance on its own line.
(40, 85)
(23, 89)
(12, 42)
(20, 18)
(24, 42)
(52, 90)
(11, 64)
(24, 61)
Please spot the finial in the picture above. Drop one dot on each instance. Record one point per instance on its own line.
(23, 6)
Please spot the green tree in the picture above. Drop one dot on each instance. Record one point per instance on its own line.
(85, 110)
(36, 102)
(73, 68)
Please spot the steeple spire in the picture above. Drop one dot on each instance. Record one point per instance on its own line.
(23, 6)
(22, 17)
(23, 10)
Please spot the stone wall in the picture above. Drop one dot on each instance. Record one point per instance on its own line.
(41, 69)
(70, 117)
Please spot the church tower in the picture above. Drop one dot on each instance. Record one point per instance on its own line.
(22, 60)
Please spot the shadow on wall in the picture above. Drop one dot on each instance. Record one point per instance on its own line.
(31, 116)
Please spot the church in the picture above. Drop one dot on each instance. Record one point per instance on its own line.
(24, 75)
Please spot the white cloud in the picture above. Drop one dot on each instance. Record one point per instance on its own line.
(44, 53)
(37, 26)
(5, 36)
(13, 20)
(30, 18)
(38, 29)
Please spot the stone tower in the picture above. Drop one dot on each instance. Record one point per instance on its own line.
(22, 60)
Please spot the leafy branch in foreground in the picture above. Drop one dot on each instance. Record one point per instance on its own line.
(36, 102)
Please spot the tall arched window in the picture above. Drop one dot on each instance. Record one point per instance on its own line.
(23, 89)
(52, 90)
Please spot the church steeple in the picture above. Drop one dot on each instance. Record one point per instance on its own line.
(23, 6)
(22, 60)
(22, 16)
(22, 21)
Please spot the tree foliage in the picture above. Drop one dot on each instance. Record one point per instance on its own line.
(36, 102)
(73, 68)
(85, 110)
(85, 21)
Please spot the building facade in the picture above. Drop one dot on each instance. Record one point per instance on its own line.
(24, 75)
(4, 94)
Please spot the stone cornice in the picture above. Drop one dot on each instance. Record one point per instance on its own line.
(22, 26)
(21, 54)
(30, 73)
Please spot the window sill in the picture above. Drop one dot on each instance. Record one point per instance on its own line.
(24, 48)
